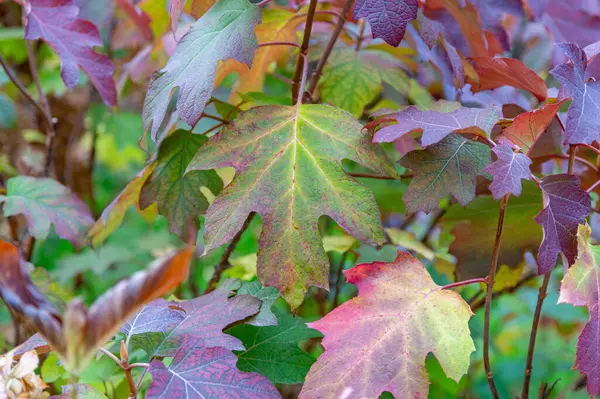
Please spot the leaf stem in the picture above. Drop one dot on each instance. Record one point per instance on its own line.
(361, 32)
(214, 117)
(263, 3)
(593, 186)
(334, 36)
(51, 133)
(590, 147)
(379, 177)
(465, 282)
(224, 263)
(488, 298)
(578, 159)
(303, 52)
(281, 43)
(109, 354)
(543, 292)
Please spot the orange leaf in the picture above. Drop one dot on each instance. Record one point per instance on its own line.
(528, 126)
(497, 72)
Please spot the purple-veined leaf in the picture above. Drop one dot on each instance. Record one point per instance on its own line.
(449, 167)
(200, 372)
(225, 31)
(508, 170)
(202, 318)
(388, 18)
(378, 340)
(566, 205)
(46, 202)
(57, 23)
(581, 287)
(439, 121)
(583, 118)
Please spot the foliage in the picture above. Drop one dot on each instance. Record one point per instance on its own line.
(309, 198)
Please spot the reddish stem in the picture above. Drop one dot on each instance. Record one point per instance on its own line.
(283, 43)
(465, 282)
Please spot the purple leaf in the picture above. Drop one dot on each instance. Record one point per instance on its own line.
(203, 318)
(388, 18)
(508, 170)
(44, 202)
(565, 207)
(581, 287)
(200, 372)
(158, 316)
(438, 123)
(583, 118)
(57, 23)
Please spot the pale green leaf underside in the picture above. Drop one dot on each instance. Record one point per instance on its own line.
(288, 169)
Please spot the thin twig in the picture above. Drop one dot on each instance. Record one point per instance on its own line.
(334, 36)
(22, 88)
(224, 263)
(109, 354)
(338, 280)
(281, 43)
(214, 117)
(51, 133)
(540, 301)
(465, 282)
(488, 298)
(303, 52)
(536, 321)
(361, 32)
(578, 159)
(477, 303)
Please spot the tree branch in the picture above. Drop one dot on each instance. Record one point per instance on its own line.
(334, 36)
(224, 263)
(303, 52)
(488, 298)
(51, 132)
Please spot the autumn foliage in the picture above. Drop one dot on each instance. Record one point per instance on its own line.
(302, 199)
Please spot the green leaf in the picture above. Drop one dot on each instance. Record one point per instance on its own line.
(8, 113)
(180, 198)
(44, 202)
(450, 166)
(268, 296)
(225, 31)
(52, 370)
(288, 170)
(349, 81)
(273, 351)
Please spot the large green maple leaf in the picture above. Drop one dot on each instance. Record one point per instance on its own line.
(288, 170)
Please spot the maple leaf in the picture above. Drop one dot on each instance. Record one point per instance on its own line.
(179, 197)
(113, 214)
(387, 331)
(273, 351)
(44, 202)
(448, 167)
(349, 81)
(288, 170)
(57, 23)
(566, 206)
(474, 228)
(580, 287)
(439, 121)
(528, 127)
(200, 372)
(76, 336)
(583, 118)
(508, 170)
(388, 18)
(203, 318)
(225, 31)
(496, 72)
